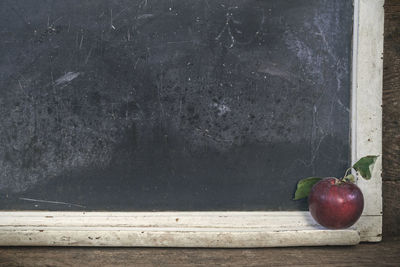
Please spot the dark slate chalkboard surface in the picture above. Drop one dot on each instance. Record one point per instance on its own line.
(171, 105)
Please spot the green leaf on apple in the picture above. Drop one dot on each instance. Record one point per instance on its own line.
(365, 166)
(304, 187)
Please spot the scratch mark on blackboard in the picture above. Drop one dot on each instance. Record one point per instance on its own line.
(69, 76)
(145, 16)
(51, 202)
(343, 106)
(206, 132)
(159, 91)
(230, 27)
(179, 42)
(273, 70)
(137, 60)
(80, 45)
(143, 4)
(320, 22)
(111, 20)
(122, 11)
(54, 22)
(128, 35)
(88, 56)
(22, 88)
(228, 18)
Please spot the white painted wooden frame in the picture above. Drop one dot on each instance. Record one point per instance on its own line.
(237, 229)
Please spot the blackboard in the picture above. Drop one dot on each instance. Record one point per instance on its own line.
(152, 105)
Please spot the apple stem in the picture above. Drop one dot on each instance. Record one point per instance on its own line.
(345, 174)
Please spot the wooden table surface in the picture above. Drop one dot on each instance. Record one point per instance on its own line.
(386, 253)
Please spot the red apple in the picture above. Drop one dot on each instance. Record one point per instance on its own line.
(335, 204)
